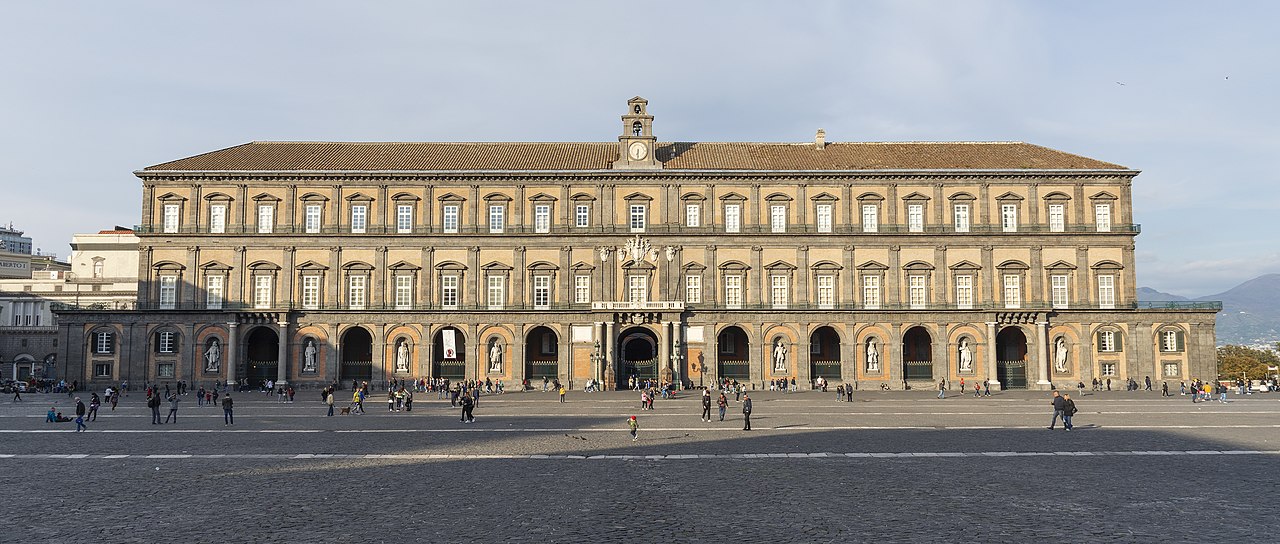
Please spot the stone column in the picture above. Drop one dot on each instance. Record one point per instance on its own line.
(282, 353)
(473, 370)
(664, 351)
(758, 294)
(378, 283)
(518, 354)
(607, 351)
(802, 296)
(229, 353)
(710, 355)
(804, 359)
(757, 357)
(893, 277)
(1042, 353)
(1037, 277)
(992, 375)
(891, 366)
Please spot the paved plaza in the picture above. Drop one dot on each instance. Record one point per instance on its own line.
(890, 466)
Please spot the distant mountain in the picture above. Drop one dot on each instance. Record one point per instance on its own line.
(1250, 311)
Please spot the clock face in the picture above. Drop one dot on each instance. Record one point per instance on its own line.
(638, 151)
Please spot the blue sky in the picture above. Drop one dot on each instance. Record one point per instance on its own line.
(1182, 91)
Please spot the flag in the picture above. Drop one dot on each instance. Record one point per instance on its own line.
(450, 344)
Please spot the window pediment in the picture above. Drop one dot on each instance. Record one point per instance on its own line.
(1010, 197)
(495, 266)
(778, 197)
(693, 267)
(403, 196)
(215, 196)
(826, 266)
(732, 197)
(1061, 265)
(265, 198)
(313, 197)
(639, 265)
(359, 197)
(1057, 196)
(779, 265)
(214, 266)
(1013, 264)
(497, 197)
(543, 266)
(168, 266)
(637, 196)
(1103, 196)
(961, 196)
(357, 266)
(918, 266)
(916, 197)
(543, 197)
(450, 265)
(171, 197)
(451, 197)
(1107, 265)
(870, 197)
(824, 197)
(872, 265)
(582, 197)
(581, 266)
(736, 266)
(689, 197)
(312, 266)
(404, 266)
(263, 266)
(965, 265)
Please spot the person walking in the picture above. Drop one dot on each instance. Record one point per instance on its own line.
(942, 388)
(227, 417)
(94, 404)
(635, 428)
(722, 402)
(1164, 389)
(173, 408)
(80, 411)
(746, 412)
(706, 405)
(17, 393)
(153, 402)
(563, 392)
(467, 406)
(1068, 410)
(977, 390)
(1057, 403)
(328, 399)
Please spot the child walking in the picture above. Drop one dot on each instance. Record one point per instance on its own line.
(635, 428)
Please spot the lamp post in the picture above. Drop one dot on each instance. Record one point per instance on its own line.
(595, 363)
(71, 277)
(676, 357)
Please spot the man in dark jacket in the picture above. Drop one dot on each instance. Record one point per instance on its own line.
(1058, 404)
(1068, 410)
(468, 404)
(746, 412)
(706, 405)
(153, 402)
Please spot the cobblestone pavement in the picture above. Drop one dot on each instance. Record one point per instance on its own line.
(891, 466)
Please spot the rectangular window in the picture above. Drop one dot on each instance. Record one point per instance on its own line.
(826, 291)
(870, 218)
(218, 219)
(824, 218)
(778, 291)
(692, 215)
(542, 218)
(496, 218)
(262, 291)
(582, 215)
(359, 218)
(917, 295)
(1108, 369)
(168, 292)
(404, 218)
(496, 292)
(1057, 218)
(1107, 291)
(1107, 341)
(1058, 288)
(449, 219)
(964, 292)
(311, 223)
(871, 292)
(1102, 217)
(1171, 370)
(356, 291)
(404, 292)
(171, 212)
(582, 289)
(164, 370)
(778, 218)
(1009, 217)
(1169, 341)
(213, 292)
(732, 218)
(733, 291)
(449, 292)
(102, 370)
(962, 217)
(638, 217)
(1012, 291)
(915, 217)
(541, 292)
(266, 218)
(637, 288)
(103, 343)
(311, 292)
(166, 343)
(693, 289)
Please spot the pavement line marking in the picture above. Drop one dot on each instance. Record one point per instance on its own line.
(646, 457)
(719, 428)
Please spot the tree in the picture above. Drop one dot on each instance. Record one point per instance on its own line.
(1240, 361)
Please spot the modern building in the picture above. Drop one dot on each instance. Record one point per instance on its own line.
(884, 264)
(102, 275)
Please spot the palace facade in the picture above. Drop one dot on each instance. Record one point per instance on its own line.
(882, 263)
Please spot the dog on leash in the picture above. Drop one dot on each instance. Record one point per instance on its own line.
(346, 411)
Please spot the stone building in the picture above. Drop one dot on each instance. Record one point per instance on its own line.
(882, 263)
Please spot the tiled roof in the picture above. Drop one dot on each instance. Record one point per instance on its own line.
(495, 156)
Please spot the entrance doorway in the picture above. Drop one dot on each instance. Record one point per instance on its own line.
(262, 352)
(824, 354)
(639, 351)
(357, 355)
(733, 354)
(541, 355)
(1011, 364)
(917, 354)
(453, 364)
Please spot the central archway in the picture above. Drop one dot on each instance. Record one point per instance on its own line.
(262, 349)
(357, 355)
(541, 355)
(824, 354)
(917, 354)
(733, 354)
(1011, 366)
(451, 365)
(639, 355)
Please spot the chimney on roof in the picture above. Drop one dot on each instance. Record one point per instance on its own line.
(820, 139)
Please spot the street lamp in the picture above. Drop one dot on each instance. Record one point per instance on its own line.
(595, 363)
(71, 278)
(675, 361)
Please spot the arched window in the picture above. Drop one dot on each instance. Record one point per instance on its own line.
(636, 127)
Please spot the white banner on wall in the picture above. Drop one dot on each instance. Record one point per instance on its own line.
(450, 343)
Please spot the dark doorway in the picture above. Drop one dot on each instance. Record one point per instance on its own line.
(639, 355)
(733, 354)
(917, 354)
(824, 354)
(1011, 364)
(541, 355)
(357, 355)
(453, 364)
(262, 354)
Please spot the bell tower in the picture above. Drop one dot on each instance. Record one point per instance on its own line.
(636, 145)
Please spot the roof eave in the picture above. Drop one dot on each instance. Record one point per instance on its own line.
(891, 171)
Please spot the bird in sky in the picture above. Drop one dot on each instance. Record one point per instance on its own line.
(1118, 83)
